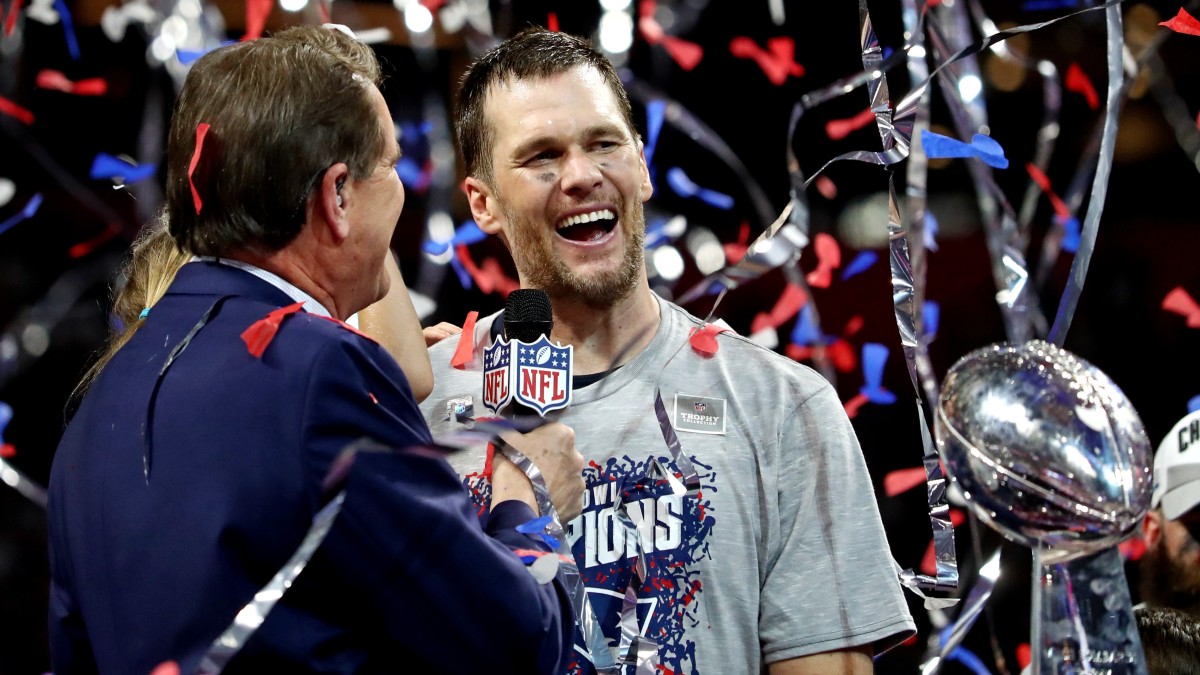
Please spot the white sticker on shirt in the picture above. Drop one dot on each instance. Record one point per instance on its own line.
(699, 414)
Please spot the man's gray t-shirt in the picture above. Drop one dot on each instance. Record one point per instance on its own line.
(781, 554)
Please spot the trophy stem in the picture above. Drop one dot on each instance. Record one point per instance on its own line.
(1082, 616)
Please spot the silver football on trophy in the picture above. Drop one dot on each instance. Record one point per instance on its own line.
(1044, 447)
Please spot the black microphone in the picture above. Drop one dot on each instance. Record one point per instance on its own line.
(527, 317)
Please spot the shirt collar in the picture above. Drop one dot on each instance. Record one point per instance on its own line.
(310, 303)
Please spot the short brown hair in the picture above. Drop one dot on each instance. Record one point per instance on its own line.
(534, 53)
(281, 110)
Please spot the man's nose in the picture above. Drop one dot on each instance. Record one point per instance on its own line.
(580, 173)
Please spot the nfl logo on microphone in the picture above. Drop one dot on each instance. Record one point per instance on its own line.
(497, 376)
(536, 375)
(542, 375)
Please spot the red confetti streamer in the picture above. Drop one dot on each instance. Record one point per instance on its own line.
(201, 132)
(433, 5)
(13, 110)
(1132, 549)
(903, 480)
(552, 22)
(704, 340)
(11, 22)
(736, 251)
(853, 326)
(323, 9)
(1179, 302)
(826, 187)
(8, 451)
(838, 129)
(854, 404)
(1060, 208)
(1024, 655)
(1078, 82)
(777, 61)
(352, 329)
(260, 334)
(53, 79)
(490, 276)
(791, 301)
(257, 12)
(685, 53)
(842, 355)
(1183, 23)
(85, 247)
(829, 258)
(464, 353)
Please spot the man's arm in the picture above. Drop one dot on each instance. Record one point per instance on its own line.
(393, 323)
(853, 661)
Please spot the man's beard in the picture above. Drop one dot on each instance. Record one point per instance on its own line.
(543, 268)
(1166, 582)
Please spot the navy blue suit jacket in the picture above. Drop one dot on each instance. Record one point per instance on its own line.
(153, 567)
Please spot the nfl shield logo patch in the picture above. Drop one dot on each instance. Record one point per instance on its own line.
(699, 406)
(543, 375)
(497, 376)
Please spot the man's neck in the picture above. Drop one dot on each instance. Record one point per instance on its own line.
(610, 337)
(284, 265)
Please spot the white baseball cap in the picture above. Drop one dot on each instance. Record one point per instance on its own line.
(1177, 468)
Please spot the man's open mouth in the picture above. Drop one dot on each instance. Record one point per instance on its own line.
(586, 227)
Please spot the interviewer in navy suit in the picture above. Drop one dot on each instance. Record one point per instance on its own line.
(195, 463)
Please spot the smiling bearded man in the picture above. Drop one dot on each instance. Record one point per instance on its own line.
(776, 560)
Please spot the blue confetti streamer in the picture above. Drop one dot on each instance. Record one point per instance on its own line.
(411, 174)
(187, 56)
(930, 312)
(537, 528)
(874, 358)
(68, 25)
(24, 214)
(962, 655)
(1194, 403)
(931, 231)
(682, 185)
(861, 263)
(982, 147)
(6, 414)
(655, 112)
(1070, 242)
(468, 233)
(108, 166)
(805, 332)
(464, 277)
(1043, 5)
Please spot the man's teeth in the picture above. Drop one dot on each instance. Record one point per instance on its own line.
(603, 214)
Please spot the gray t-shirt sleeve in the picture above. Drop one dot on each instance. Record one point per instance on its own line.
(830, 582)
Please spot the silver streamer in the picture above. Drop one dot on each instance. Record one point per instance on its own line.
(18, 481)
(1091, 223)
(981, 592)
(903, 297)
(231, 641)
(585, 617)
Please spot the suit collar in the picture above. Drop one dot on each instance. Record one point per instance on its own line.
(212, 278)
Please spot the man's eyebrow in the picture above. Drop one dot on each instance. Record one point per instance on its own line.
(546, 140)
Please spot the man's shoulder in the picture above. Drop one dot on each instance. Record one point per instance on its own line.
(751, 359)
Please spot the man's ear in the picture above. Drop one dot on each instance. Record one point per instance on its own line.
(331, 199)
(484, 207)
(647, 186)
(1152, 526)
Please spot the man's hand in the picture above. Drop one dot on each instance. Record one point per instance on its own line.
(439, 332)
(551, 448)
